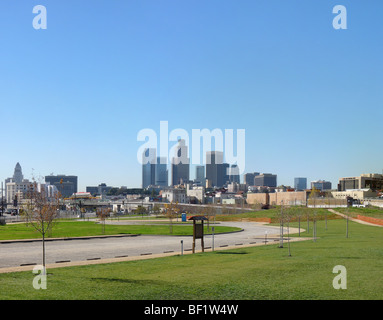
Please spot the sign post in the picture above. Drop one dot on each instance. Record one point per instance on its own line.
(198, 230)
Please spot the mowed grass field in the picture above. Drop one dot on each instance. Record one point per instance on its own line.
(65, 229)
(257, 273)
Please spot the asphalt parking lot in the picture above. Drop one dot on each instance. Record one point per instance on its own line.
(29, 253)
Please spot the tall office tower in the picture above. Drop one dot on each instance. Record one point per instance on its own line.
(300, 184)
(148, 167)
(234, 174)
(266, 180)
(216, 170)
(180, 164)
(161, 172)
(18, 174)
(200, 174)
(66, 185)
(248, 178)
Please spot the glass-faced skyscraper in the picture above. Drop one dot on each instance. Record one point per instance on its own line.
(300, 184)
(217, 172)
(180, 164)
(148, 167)
(161, 172)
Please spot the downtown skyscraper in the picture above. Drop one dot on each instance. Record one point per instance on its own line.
(180, 164)
(148, 167)
(217, 172)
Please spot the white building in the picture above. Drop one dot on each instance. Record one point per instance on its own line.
(358, 194)
(195, 192)
(19, 189)
(174, 195)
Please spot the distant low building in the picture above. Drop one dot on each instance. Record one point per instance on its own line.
(101, 189)
(358, 194)
(321, 185)
(235, 187)
(371, 181)
(278, 198)
(265, 180)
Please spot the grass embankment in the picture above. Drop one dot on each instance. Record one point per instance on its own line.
(64, 229)
(372, 212)
(265, 272)
(274, 215)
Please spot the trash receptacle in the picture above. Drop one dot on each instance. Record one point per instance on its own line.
(2, 221)
(183, 217)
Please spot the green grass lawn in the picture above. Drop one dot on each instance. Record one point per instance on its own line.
(91, 228)
(265, 272)
(274, 214)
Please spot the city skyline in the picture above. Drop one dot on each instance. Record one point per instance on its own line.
(74, 96)
(157, 172)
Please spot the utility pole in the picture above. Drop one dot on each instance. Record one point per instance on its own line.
(281, 228)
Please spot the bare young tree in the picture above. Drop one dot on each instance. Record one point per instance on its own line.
(171, 211)
(102, 214)
(40, 212)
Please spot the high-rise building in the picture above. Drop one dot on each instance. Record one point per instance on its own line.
(66, 185)
(180, 164)
(234, 174)
(18, 174)
(161, 172)
(248, 178)
(300, 184)
(200, 175)
(266, 180)
(148, 167)
(217, 172)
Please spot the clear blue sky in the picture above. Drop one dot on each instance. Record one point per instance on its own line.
(73, 97)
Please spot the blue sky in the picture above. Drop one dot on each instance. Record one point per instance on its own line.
(73, 97)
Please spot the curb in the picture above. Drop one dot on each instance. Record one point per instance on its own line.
(68, 238)
(103, 237)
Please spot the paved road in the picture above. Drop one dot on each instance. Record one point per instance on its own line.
(16, 254)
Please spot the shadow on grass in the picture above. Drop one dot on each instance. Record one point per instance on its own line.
(229, 252)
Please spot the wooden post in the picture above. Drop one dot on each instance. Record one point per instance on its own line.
(194, 236)
(203, 249)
